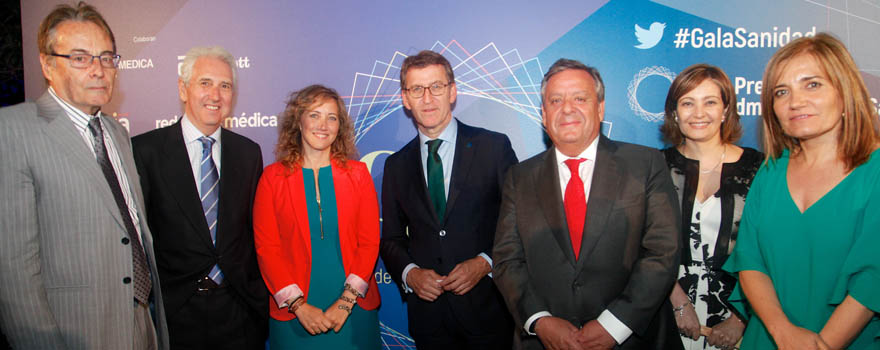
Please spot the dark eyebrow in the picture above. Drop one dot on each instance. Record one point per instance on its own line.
(87, 52)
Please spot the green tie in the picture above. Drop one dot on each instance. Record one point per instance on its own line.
(435, 178)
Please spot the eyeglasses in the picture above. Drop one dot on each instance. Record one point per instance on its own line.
(418, 91)
(84, 60)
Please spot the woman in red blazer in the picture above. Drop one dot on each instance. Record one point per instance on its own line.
(316, 226)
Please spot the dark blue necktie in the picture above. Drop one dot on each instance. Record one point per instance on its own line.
(210, 195)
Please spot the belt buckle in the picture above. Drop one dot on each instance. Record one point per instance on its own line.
(200, 283)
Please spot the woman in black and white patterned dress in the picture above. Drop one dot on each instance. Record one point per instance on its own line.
(712, 177)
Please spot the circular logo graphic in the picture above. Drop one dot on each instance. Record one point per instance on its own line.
(633, 89)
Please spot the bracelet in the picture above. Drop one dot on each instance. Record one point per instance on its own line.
(680, 309)
(351, 289)
(345, 298)
(296, 304)
(345, 307)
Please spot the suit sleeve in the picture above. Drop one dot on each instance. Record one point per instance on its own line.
(507, 159)
(511, 271)
(140, 162)
(25, 316)
(394, 245)
(367, 248)
(654, 272)
(277, 273)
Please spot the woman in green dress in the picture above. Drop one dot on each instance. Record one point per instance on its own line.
(807, 248)
(316, 226)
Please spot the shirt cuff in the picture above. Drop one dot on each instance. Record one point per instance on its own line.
(287, 294)
(619, 331)
(406, 288)
(488, 260)
(533, 319)
(358, 284)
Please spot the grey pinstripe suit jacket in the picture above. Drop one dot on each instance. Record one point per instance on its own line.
(62, 259)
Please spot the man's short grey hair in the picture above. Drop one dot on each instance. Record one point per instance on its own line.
(566, 64)
(197, 52)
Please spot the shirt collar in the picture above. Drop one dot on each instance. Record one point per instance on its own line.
(448, 135)
(589, 153)
(192, 134)
(79, 118)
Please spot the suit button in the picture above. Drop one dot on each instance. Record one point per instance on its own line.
(125, 240)
(442, 233)
(126, 280)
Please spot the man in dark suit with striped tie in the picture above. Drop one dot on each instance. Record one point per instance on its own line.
(199, 182)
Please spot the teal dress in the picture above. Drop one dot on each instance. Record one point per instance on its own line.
(815, 258)
(361, 329)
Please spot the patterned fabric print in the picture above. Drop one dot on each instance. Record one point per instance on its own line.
(703, 286)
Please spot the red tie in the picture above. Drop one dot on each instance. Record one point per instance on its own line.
(575, 205)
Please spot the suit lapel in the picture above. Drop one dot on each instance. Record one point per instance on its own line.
(603, 195)
(231, 181)
(550, 199)
(71, 145)
(178, 176)
(464, 156)
(416, 176)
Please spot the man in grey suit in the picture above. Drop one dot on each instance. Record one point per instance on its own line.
(586, 247)
(77, 268)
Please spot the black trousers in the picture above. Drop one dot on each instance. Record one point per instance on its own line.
(450, 334)
(218, 319)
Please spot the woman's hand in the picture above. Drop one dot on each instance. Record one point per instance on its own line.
(791, 337)
(687, 321)
(685, 315)
(312, 319)
(725, 334)
(337, 315)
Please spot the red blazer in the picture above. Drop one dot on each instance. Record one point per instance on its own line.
(281, 230)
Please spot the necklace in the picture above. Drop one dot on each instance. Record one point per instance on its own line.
(723, 151)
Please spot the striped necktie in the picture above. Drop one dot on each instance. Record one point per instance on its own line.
(142, 282)
(210, 194)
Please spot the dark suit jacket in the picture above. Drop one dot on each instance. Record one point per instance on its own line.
(629, 253)
(481, 159)
(184, 250)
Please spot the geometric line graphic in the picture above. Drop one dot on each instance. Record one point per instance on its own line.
(392, 339)
(633, 88)
(486, 73)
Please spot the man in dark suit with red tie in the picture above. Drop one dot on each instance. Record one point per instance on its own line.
(440, 198)
(586, 249)
(199, 183)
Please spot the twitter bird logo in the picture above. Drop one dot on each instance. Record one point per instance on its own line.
(649, 38)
